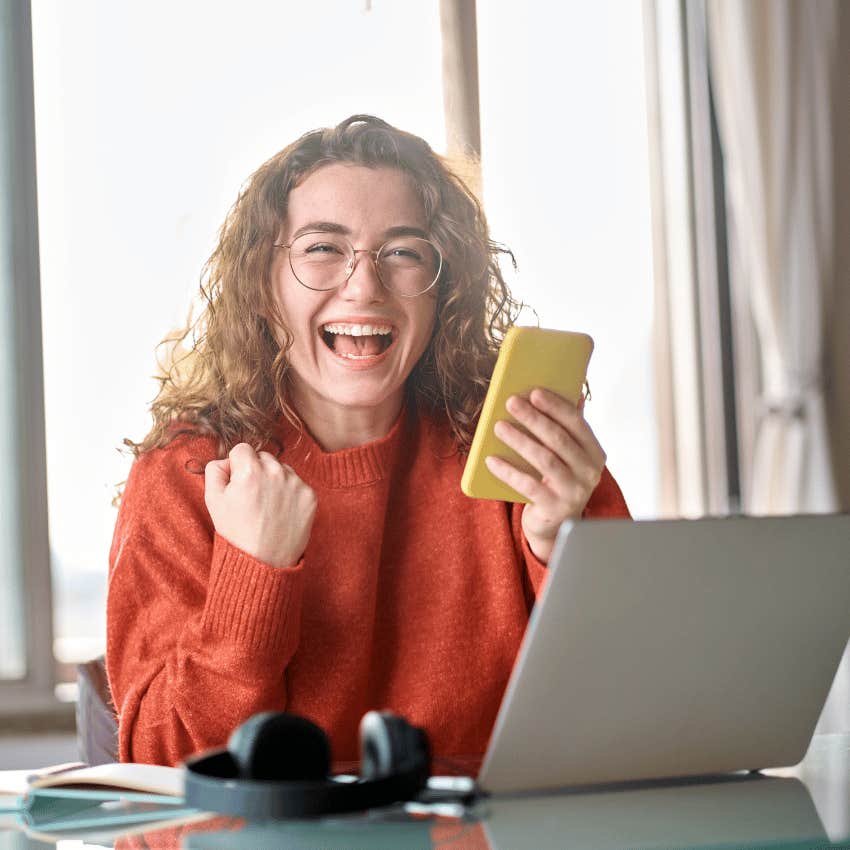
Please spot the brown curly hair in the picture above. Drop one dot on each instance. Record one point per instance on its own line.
(231, 381)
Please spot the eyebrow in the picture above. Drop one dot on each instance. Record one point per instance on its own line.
(334, 227)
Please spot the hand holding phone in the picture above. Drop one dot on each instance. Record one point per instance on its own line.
(532, 443)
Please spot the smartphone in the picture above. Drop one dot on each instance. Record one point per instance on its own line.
(528, 358)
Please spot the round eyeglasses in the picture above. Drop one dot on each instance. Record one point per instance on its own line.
(406, 265)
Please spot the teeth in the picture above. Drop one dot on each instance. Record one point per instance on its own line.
(357, 330)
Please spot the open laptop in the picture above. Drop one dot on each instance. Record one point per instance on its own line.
(674, 648)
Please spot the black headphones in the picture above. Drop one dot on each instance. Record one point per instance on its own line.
(277, 765)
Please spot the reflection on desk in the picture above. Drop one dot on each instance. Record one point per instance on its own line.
(804, 807)
(735, 812)
(392, 830)
(825, 771)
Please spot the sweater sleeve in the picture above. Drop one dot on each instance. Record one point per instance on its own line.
(199, 633)
(606, 502)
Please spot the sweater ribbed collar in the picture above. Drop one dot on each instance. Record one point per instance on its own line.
(352, 467)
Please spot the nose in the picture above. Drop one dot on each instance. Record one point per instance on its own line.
(364, 285)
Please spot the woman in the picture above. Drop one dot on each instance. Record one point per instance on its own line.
(326, 561)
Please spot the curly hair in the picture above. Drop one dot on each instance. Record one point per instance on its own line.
(231, 381)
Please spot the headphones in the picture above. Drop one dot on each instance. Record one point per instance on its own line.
(277, 765)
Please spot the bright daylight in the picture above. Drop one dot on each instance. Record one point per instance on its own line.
(424, 424)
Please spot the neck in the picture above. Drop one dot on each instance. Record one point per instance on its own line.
(335, 427)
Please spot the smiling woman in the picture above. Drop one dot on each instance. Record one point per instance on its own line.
(345, 377)
(327, 562)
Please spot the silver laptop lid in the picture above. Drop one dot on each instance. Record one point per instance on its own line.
(675, 648)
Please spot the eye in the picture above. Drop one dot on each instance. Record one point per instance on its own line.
(403, 254)
(322, 248)
(408, 253)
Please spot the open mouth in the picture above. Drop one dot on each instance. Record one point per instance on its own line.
(357, 342)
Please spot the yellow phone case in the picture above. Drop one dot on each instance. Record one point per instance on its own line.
(528, 358)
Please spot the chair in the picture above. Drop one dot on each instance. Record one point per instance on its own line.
(97, 723)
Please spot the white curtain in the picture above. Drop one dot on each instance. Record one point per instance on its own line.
(772, 71)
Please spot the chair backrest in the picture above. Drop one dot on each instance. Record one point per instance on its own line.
(97, 724)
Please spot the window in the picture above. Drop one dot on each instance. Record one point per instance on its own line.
(148, 118)
(25, 628)
(139, 159)
(566, 186)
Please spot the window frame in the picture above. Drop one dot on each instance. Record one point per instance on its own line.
(697, 412)
(34, 693)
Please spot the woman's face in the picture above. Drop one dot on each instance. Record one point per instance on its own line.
(363, 204)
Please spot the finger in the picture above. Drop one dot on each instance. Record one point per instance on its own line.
(554, 468)
(524, 484)
(570, 416)
(244, 462)
(557, 438)
(270, 463)
(216, 476)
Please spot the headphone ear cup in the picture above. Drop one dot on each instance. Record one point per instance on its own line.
(389, 744)
(376, 756)
(278, 746)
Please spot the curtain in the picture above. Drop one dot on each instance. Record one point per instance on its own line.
(771, 65)
(772, 75)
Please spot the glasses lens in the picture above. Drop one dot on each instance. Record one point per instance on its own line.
(320, 260)
(409, 265)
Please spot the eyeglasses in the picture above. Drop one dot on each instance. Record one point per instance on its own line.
(406, 265)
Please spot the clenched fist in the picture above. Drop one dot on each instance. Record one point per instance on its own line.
(260, 505)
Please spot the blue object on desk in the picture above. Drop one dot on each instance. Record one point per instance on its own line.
(63, 813)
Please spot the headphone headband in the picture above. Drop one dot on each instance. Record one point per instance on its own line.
(213, 784)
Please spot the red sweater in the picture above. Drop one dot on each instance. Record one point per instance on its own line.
(410, 597)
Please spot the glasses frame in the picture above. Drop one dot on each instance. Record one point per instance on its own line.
(352, 262)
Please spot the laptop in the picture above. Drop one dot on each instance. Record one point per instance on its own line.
(674, 648)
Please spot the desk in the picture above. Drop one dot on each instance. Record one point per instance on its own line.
(802, 808)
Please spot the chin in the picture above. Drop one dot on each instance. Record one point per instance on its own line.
(363, 398)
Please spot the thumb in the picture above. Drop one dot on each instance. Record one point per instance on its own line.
(216, 476)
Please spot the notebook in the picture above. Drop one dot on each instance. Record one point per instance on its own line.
(103, 800)
(674, 648)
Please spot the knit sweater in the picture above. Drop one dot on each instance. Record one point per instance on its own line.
(409, 597)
